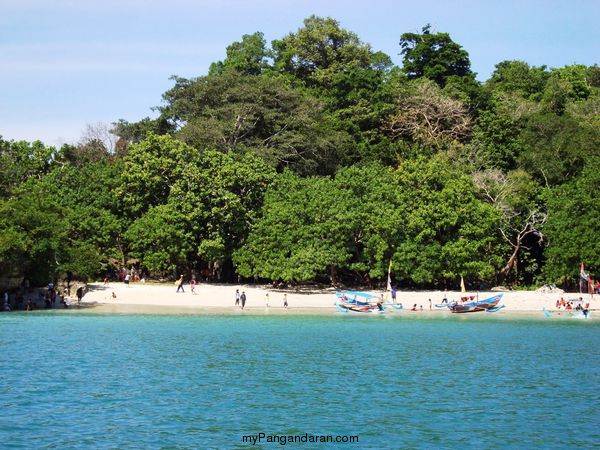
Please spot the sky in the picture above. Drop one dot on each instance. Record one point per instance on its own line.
(65, 64)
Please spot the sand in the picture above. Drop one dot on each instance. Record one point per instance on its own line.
(153, 298)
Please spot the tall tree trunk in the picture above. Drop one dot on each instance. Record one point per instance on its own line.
(512, 261)
(333, 275)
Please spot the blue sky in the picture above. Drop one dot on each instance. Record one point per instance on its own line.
(68, 63)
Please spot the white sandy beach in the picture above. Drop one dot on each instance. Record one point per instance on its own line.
(154, 298)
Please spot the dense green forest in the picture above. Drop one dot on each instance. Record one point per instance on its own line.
(317, 159)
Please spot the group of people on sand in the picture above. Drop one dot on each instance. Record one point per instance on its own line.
(180, 282)
(50, 297)
(568, 305)
(240, 299)
(414, 308)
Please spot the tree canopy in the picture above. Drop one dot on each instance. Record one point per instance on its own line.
(314, 158)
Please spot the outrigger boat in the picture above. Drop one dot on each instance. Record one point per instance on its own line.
(487, 305)
(575, 314)
(379, 308)
(348, 302)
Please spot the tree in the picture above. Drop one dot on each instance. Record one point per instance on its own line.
(36, 241)
(21, 160)
(321, 49)
(424, 217)
(517, 77)
(318, 227)
(132, 133)
(248, 57)
(448, 230)
(68, 220)
(298, 236)
(516, 196)
(92, 208)
(162, 240)
(100, 134)
(424, 114)
(150, 169)
(33, 233)
(556, 146)
(206, 215)
(566, 85)
(571, 231)
(233, 112)
(496, 142)
(434, 56)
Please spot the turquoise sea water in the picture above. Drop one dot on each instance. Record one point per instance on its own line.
(135, 381)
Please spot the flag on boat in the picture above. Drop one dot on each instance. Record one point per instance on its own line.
(462, 284)
(582, 273)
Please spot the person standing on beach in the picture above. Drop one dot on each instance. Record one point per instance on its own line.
(429, 304)
(267, 301)
(285, 303)
(394, 295)
(180, 284)
(237, 297)
(193, 286)
(243, 299)
(79, 294)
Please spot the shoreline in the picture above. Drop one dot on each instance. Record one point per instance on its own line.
(157, 310)
(211, 299)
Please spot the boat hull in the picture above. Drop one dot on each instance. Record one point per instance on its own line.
(359, 309)
(477, 306)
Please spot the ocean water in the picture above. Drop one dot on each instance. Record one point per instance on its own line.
(146, 381)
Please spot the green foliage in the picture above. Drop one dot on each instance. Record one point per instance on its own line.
(517, 77)
(248, 57)
(564, 85)
(449, 231)
(233, 112)
(301, 234)
(135, 132)
(318, 159)
(496, 134)
(161, 238)
(207, 213)
(34, 234)
(22, 160)
(321, 49)
(571, 231)
(91, 207)
(433, 55)
(555, 147)
(423, 216)
(66, 221)
(151, 168)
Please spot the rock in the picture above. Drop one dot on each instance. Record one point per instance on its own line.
(550, 289)
(500, 289)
